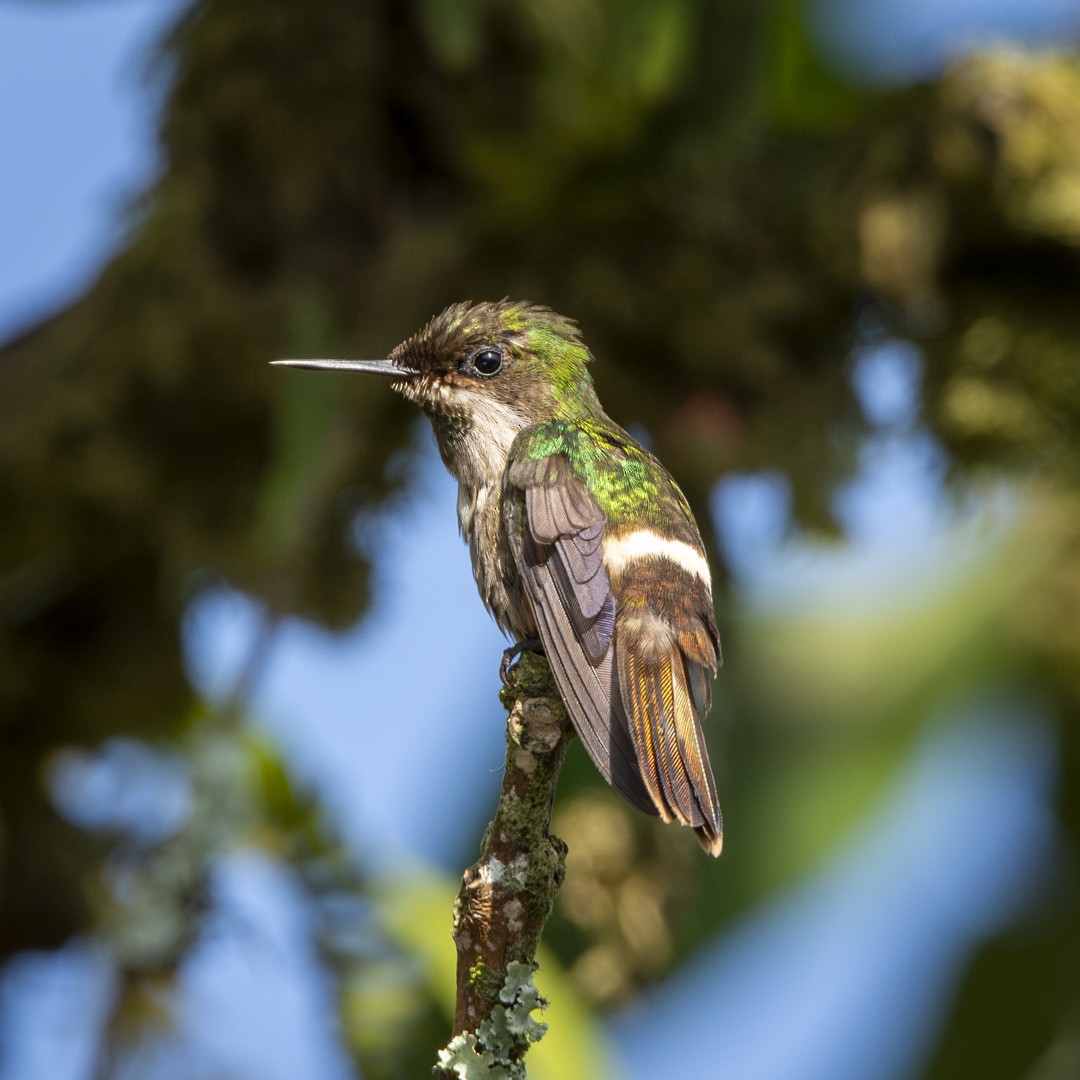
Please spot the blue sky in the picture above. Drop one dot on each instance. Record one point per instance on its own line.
(80, 115)
(77, 117)
(883, 42)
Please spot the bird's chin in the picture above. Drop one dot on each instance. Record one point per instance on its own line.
(423, 390)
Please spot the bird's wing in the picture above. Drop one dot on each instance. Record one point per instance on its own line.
(556, 527)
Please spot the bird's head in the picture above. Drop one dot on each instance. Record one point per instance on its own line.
(483, 372)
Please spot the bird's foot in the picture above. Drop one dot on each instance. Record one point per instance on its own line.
(515, 650)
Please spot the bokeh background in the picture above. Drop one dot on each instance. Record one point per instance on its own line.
(827, 254)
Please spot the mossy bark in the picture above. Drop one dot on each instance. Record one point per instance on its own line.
(507, 894)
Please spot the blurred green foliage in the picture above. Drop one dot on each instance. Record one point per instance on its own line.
(725, 218)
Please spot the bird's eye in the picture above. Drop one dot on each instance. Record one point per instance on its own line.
(487, 362)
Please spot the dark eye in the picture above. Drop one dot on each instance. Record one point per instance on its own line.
(487, 361)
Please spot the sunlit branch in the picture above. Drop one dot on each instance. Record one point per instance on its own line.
(507, 895)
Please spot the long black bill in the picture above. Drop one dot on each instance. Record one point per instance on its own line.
(373, 367)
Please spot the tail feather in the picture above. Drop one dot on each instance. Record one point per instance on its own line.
(661, 692)
(638, 700)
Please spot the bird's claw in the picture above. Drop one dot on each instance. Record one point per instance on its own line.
(515, 650)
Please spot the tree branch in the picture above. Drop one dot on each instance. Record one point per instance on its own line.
(507, 895)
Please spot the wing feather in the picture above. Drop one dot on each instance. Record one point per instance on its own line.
(556, 538)
(635, 687)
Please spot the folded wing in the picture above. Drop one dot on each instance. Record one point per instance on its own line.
(636, 676)
(556, 532)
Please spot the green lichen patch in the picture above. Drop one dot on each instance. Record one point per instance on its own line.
(497, 1048)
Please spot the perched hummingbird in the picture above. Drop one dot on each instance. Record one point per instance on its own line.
(578, 537)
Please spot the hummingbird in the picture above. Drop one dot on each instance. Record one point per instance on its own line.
(580, 542)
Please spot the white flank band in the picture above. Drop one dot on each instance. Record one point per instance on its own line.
(621, 550)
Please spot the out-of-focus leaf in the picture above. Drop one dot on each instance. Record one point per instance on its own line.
(842, 689)
(801, 90)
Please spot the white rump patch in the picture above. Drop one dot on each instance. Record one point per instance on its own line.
(620, 551)
(655, 635)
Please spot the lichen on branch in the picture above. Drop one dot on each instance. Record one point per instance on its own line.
(507, 895)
